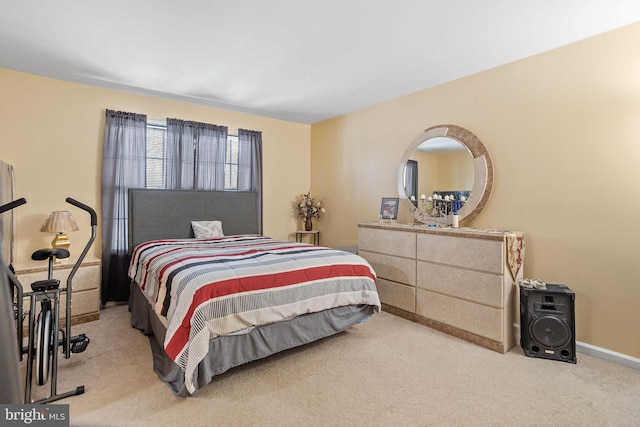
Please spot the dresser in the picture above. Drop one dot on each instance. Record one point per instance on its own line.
(459, 281)
(85, 298)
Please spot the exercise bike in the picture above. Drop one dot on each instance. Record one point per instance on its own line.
(43, 330)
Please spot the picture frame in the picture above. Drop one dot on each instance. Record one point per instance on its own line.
(389, 208)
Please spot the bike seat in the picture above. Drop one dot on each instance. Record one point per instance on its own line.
(42, 254)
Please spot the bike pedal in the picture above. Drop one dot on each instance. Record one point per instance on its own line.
(79, 343)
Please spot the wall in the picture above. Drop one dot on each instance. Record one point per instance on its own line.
(563, 130)
(52, 133)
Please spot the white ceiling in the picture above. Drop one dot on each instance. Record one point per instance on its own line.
(297, 60)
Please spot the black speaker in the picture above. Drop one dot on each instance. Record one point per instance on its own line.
(547, 327)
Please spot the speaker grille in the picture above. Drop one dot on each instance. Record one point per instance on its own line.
(550, 331)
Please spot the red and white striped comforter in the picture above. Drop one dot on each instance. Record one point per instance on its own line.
(212, 287)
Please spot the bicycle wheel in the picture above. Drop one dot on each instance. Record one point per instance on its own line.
(43, 347)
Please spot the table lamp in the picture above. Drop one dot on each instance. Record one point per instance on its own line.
(60, 223)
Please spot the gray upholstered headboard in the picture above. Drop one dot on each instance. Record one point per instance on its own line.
(167, 214)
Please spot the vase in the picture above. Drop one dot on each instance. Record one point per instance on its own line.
(308, 225)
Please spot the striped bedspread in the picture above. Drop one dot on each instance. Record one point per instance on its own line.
(211, 287)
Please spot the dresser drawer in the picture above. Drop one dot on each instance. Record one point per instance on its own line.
(388, 242)
(393, 268)
(475, 286)
(86, 277)
(477, 254)
(397, 295)
(475, 318)
(85, 305)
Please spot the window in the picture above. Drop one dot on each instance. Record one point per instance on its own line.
(157, 157)
(156, 153)
(231, 164)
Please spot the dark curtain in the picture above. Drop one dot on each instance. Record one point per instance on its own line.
(195, 155)
(250, 165)
(123, 167)
(411, 181)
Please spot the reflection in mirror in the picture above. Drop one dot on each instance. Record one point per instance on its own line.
(440, 166)
(446, 170)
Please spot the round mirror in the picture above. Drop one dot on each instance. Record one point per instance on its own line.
(445, 170)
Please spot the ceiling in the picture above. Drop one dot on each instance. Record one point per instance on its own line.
(295, 60)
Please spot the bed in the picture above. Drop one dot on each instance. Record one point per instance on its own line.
(215, 301)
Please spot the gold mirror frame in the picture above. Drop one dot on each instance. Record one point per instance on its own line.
(483, 172)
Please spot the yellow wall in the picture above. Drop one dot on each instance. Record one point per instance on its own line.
(52, 133)
(563, 130)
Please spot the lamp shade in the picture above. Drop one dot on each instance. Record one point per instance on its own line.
(59, 222)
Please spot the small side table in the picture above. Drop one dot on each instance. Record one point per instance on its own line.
(315, 234)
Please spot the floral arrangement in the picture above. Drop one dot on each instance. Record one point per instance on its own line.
(306, 207)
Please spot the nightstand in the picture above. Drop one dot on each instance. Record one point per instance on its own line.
(86, 285)
(300, 234)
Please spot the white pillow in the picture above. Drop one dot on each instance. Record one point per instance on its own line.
(206, 229)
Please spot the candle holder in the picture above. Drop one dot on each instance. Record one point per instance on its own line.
(437, 209)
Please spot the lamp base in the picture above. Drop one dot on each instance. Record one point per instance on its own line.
(60, 241)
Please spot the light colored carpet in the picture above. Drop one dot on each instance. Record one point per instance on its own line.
(386, 372)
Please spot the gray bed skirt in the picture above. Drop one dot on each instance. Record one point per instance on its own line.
(227, 352)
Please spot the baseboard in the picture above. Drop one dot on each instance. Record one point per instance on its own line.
(608, 355)
(597, 352)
